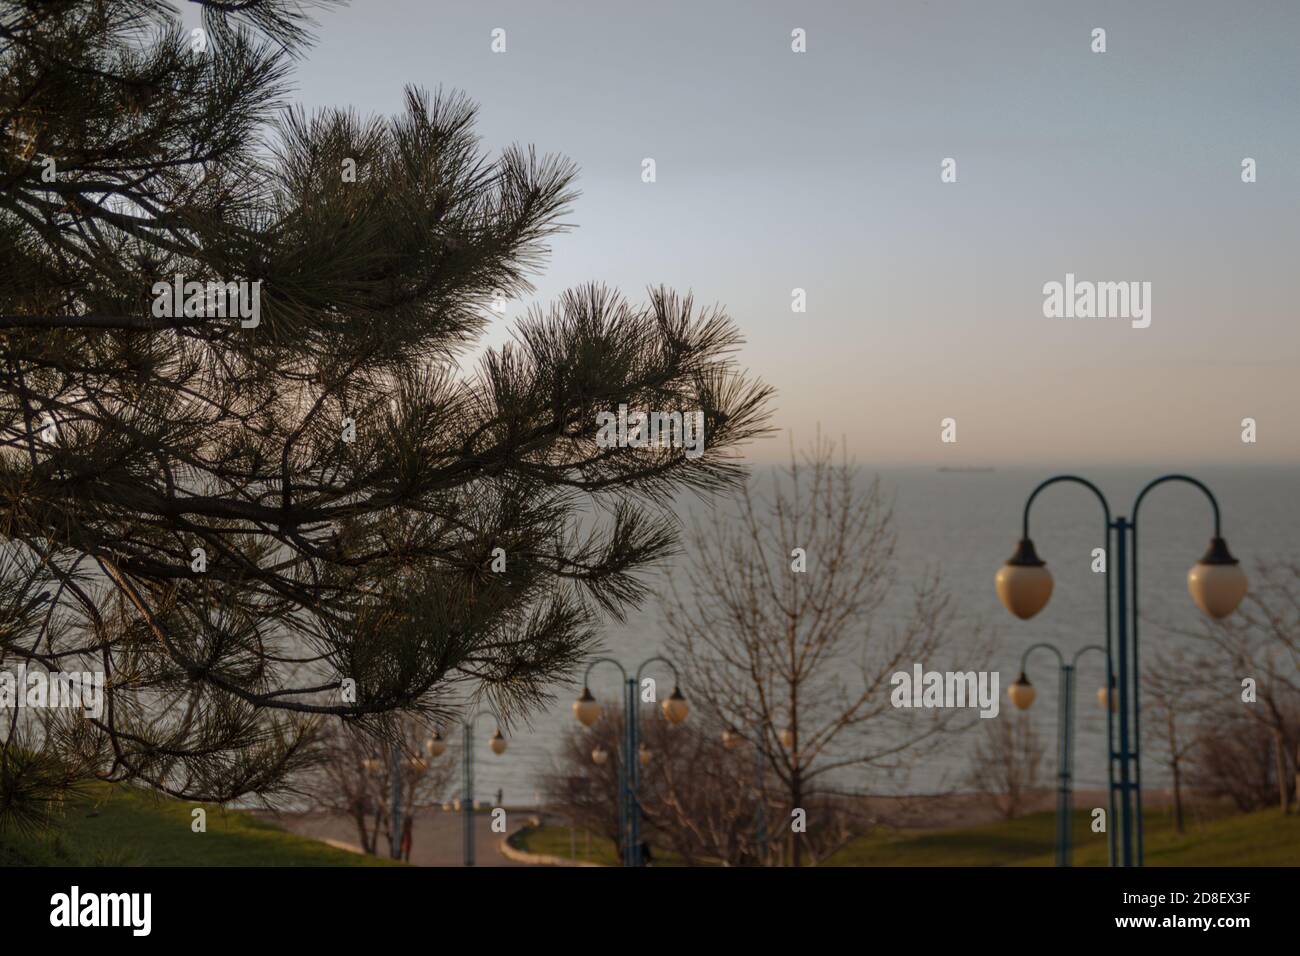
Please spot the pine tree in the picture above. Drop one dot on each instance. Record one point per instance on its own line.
(303, 502)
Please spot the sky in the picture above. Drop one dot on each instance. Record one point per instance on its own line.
(820, 170)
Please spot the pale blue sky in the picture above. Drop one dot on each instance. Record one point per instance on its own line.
(821, 171)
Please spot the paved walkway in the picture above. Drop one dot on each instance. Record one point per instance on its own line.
(436, 837)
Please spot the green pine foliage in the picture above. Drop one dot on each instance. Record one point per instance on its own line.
(252, 525)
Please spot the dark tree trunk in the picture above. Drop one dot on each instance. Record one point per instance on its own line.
(1296, 764)
(1284, 790)
(1178, 797)
(796, 837)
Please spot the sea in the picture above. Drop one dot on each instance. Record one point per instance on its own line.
(966, 524)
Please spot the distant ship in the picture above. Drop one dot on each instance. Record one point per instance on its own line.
(963, 469)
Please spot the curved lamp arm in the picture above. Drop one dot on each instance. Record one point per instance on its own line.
(1188, 479)
(1084, 650)
(468, 722)
(1040, 646)
(602, 660)
(1105, 505)
(671, 666)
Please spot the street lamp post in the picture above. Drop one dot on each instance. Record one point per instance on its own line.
(587, 710)
(1216, 584)
(1022, 694)
(436, 746)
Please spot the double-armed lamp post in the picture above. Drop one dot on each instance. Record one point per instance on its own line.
(436, 746)
(1216, 584)
(587, 710)
(1022, 694)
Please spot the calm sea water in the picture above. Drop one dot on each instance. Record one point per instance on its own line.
(968, 524)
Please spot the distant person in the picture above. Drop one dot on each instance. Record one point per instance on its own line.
(646, 855)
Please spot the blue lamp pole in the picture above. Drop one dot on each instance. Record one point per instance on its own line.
(498, 745)
(1022, 695)
(587, 710)
(1216, 584)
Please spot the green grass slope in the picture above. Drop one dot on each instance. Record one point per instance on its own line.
(1265, 838)
(125, 826)
(555, 841)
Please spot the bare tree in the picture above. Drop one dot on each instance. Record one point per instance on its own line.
(585, 781)
(698, 798)
(709, 803)
(1254, 656)
(1173, 694)
(1005, 763)
(356, 779)
(1232, 757)
(778, 627)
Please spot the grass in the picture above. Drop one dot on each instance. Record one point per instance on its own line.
(126, 826)
(1264, 838)
(555, 841)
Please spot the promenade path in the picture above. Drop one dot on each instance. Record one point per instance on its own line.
(436, 835)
